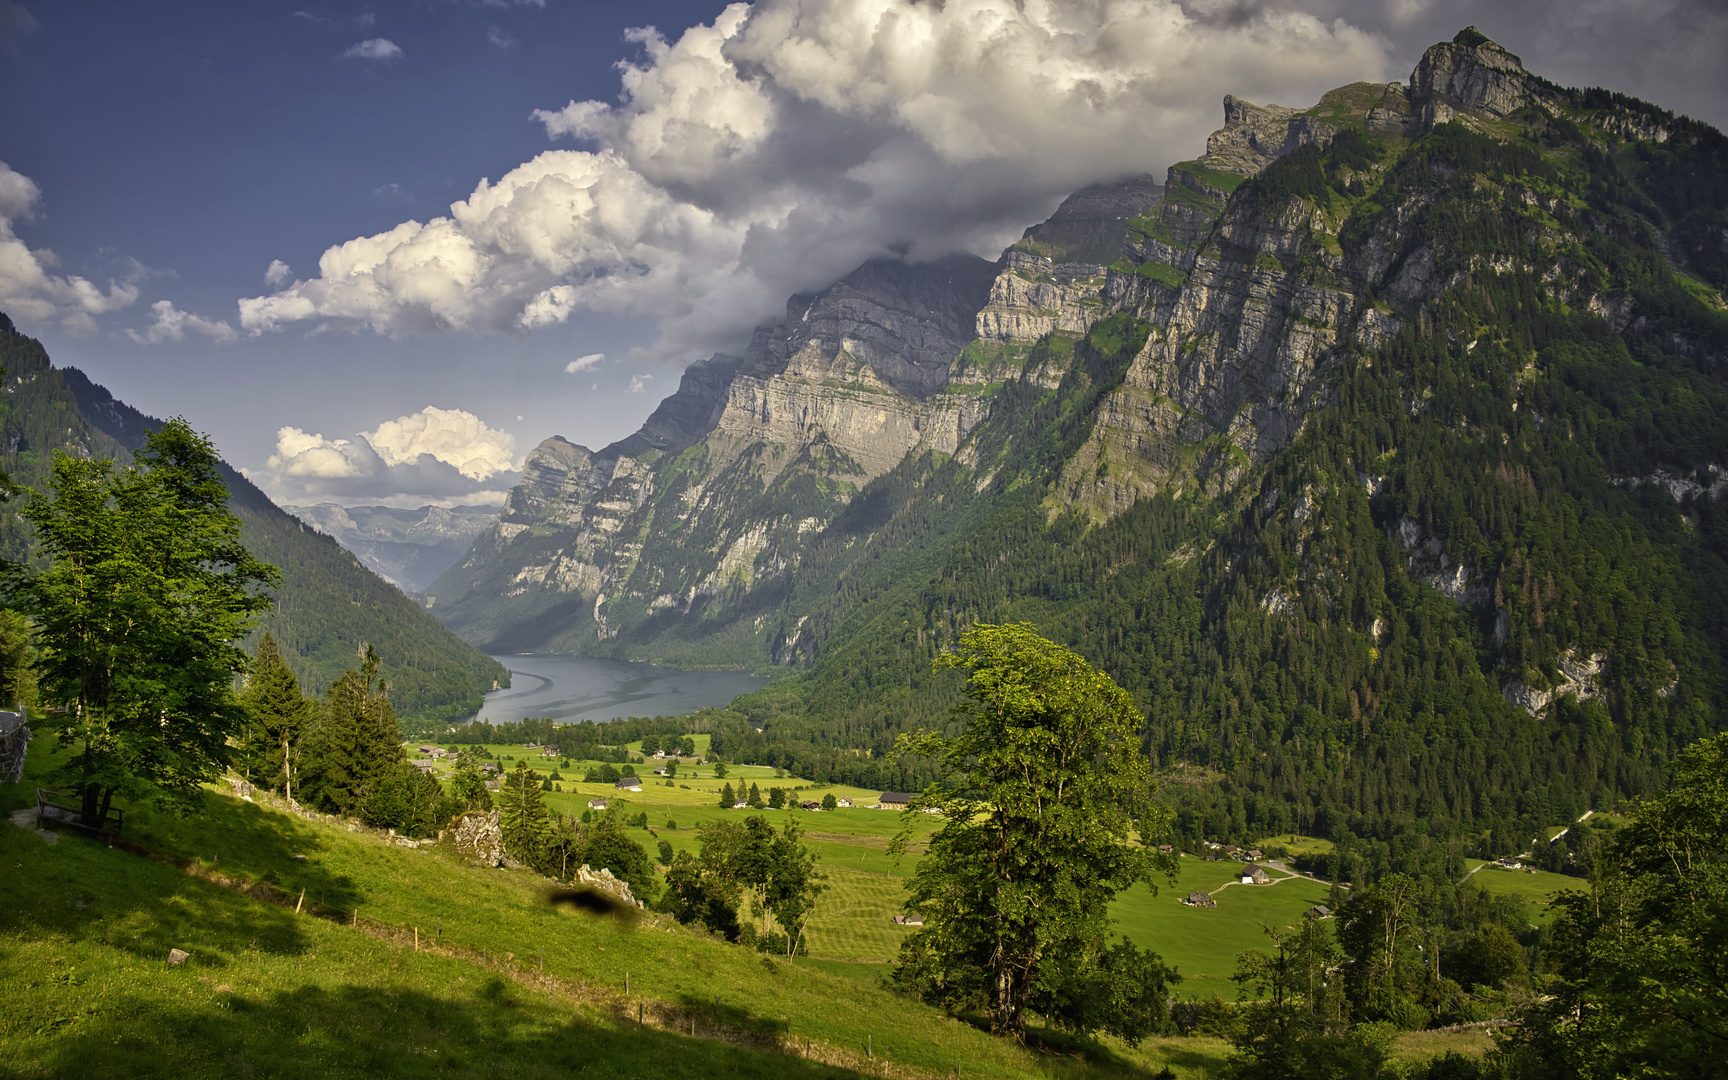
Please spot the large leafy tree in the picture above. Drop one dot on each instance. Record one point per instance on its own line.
(138, 613)
(1044, 785)
(1641, 986)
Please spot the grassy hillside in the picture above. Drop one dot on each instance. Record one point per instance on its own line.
(328, 603)
(344, 988)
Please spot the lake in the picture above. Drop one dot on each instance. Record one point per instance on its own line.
(569, 688)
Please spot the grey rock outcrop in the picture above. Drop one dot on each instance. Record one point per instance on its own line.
(603, 880)
(476, 836)
(1473, 74)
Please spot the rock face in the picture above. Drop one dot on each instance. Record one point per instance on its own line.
(476, 836)
(1249, 304)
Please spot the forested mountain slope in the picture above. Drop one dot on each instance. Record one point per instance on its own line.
(328, 603)
(1383, 465)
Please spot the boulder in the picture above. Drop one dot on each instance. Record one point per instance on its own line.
(603, 879)
(477, 836)
(176, 957)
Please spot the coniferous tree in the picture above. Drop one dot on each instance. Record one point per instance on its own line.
(277, 714)
(467, 786)
(726, 796)
(754, 799)
(356, 741)
(17, 672)
(522, 816)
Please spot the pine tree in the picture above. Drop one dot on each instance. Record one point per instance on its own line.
(522, 816)
(755, 798)
(357, 741)
(726, 797)
(277, 714)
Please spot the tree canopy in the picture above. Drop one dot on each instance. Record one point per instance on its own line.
(139, 614)
(1043, 786)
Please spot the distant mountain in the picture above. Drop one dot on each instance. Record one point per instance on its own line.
(1380, 452)
(328, 603)
(408, 548)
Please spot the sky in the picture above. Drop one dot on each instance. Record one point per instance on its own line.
(378, 251)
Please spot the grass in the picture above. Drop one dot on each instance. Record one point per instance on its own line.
(1202, 943)
(1537, 886)
(268, 992)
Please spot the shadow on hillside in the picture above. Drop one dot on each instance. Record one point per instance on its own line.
(237, 837)
(82, 890)
(317, 1032)
(1089, 1057)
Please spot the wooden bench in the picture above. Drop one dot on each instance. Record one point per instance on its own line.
(49, 811)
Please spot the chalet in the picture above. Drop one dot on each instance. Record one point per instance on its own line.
(629, 783)
(1319, 911)
(1254, 854)
(1165, 849)
(1199, 899)
(597, 804)
(847, 803)
(659, 755)
(1231, 849)
(909, 920)
(430, 751)
(1256, 875)
(895, 800)
(809, 804)
(423, 766)
(741, 804)
(661, 771)
(550, 752)
(1510, 862)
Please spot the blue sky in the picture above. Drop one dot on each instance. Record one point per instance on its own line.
(170, 153)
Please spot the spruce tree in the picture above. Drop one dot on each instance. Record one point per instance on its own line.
(726, 797)
(357, 741)
(277, 714)
(522, 816)
(755, 798)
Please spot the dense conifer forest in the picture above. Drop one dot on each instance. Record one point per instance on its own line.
(1481, 592)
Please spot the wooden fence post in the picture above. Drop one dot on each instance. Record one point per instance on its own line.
(298, 904)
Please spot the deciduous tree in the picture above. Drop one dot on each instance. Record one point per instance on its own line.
(1044, 784)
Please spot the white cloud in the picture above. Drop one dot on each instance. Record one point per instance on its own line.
(501, 38)
(639, 383)
(583, 363)
(171, 324)
(277, 274)
(443, 456)
(27, 290)
(372, 49)
(779, 146)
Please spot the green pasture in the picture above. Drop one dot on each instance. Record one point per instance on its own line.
(1202, 943)
(1539, 887)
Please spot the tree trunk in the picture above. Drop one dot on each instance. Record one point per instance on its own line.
(287, 774)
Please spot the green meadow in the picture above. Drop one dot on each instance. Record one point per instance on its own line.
(410, 962)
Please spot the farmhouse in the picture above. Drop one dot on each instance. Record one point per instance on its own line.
(597, 804)
(1256, 875)
(847, 803)
(629, 783)
(1254, 854)
(895, 800)
(810, 805)
(1319, 911)
(1199, 899)
(423, 766)
(741, 804)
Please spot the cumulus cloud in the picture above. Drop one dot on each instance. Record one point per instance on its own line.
(277, 274)
(583, 363)
(785, 142)
(27, 290)
(171, 324)
(441, 456)
(372, 49)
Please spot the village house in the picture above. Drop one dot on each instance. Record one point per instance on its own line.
(630, 783)
(550, 752)
(598, 804)
(1254, 854)
(1319, 911)
(847, 803)
(1256, 875)
(423, 766)
(741, 804)
(810, 804)
(894, 800)
(1199, 899)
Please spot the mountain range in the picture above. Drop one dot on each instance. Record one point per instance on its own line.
(408, 548)
(1378, 451)
(328, 605)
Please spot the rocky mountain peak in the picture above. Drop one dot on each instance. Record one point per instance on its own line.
(1470, 73)
(1254, 136)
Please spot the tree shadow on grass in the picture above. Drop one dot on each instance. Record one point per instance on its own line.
(319, 1033)
(81, 890)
